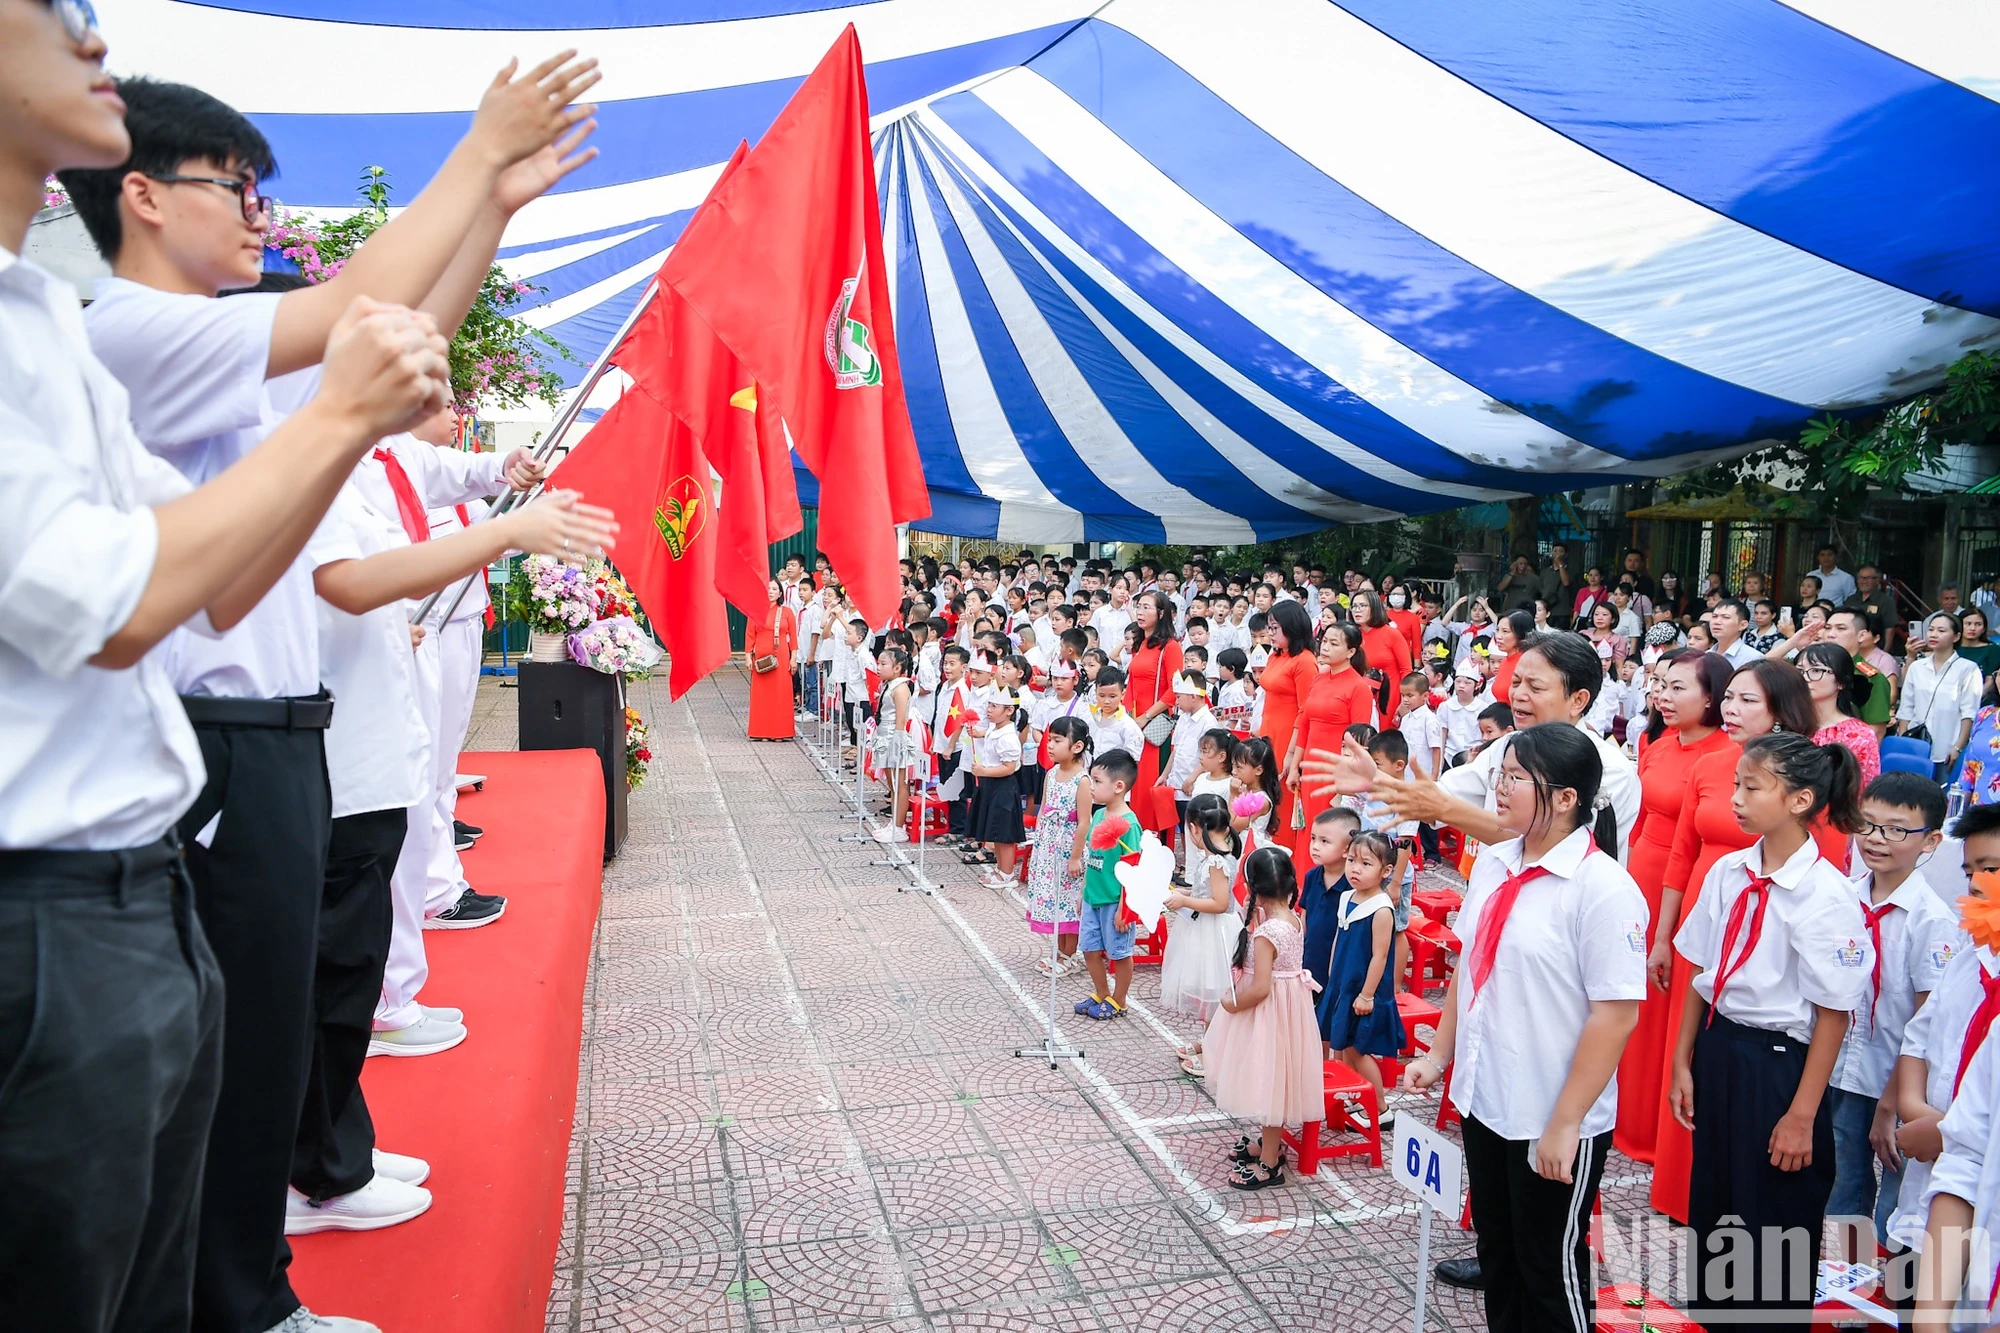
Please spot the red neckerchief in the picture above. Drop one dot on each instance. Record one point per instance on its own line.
(1493, 919)
(1981, 1024)
(1873, 915)
(466, 519)
(1760, 889)
(416, 525)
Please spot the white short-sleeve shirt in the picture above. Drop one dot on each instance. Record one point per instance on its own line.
(89, 759)
(1919, 939)
(1969, 1168)
(1575, 936)
(1473, 781)
(194, 368)
(1425, 736)
(1814, 949)
(378, 747)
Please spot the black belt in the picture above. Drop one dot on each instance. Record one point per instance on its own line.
(311, 713)
(49, 873)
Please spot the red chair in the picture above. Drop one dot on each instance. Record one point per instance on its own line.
(1416, 1009)
(1625, 1307)
(1431, 945)
(1341, 1083)
(1437, 904)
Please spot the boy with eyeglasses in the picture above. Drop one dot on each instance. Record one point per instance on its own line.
(181, 219)
(1914, 936)
(110, 997)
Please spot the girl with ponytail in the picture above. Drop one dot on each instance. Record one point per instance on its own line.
(1535, 1019)
(1782, 958)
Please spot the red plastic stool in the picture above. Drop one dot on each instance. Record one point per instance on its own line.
(1340, 1083)
(1625, 1307)
(1437, 904)
(1431, 944)
(1416, 1009)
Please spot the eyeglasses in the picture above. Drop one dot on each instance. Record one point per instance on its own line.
(78, 19)
(1891, 832)
(254, 205)
(1508, 780)
(1815, 672)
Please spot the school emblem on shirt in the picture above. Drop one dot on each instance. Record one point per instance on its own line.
(849, 354)
(1940, 956)
(681, 515)
(1850, 954)
(1635, 940)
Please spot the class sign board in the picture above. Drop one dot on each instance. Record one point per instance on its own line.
(1428, 1165)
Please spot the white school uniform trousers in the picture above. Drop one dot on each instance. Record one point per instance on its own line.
(1939, 1035)
(461, 649)
(439, 477)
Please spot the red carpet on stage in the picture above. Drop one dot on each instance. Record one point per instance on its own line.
(492, 1116)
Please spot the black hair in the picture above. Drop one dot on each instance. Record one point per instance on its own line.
(1830, 772)
(171, 125)
(1076, 639)
(1073, 728)
(1863, 618)
(1233, 660)
(1362, 731)
(1977, 820)
(899, 656)
(1907, 791)
(1195, 652)
(1199, 681)
(1574, 658)
(1118, 764)
(1522, 625)
(1338, 814)
(1390, 745)
(1379, 843)
(1192, 621)
(939, 626)
(1020, 664)
(1851, 689)
(1257, 752)
(1163, 618)
(1297, 626)
(1500, 715)
(1221, 738)
(1209, 812)
(957, 650)
(1268, 873)
(1732, 604)
(1713, 670)
(1350, 634)
(1786, 697)
(1108, 675)
(1559, 754)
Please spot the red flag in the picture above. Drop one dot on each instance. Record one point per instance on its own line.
(642, 462)
(784, 262)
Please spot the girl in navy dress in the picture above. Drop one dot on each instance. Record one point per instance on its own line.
(1358, 1017)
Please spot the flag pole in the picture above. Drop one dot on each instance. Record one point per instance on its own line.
(566, 418)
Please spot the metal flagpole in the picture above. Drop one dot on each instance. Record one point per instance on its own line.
(564, 420)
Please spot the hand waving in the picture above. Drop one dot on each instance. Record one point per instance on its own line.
(517, 118)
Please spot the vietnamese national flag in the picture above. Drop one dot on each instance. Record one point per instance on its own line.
(784, 262)
(644, 464)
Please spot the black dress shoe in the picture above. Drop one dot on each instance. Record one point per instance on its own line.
(1461, 1273)
(465, 830)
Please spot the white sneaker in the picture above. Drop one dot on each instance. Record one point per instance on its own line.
(464, 780)
(892, 833)
(382, 1202)
(443, 1013)
(303, 1320)
(409, 1170)
(426, 1036)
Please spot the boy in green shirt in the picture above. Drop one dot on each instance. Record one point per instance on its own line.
(1111, 777)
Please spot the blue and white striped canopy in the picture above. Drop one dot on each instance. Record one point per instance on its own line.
(1221, 272)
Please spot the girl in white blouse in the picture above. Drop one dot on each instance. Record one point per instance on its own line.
(1782, 959)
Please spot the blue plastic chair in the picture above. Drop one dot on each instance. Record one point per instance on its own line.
(1902, 754)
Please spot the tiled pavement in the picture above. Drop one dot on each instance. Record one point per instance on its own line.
(799, 1105)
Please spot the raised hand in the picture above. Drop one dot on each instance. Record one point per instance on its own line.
(386, 366)
(561, 525)
(1350, 772)
(518, 117)
(537, 173)
(522, 469)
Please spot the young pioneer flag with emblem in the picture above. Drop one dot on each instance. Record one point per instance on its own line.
(784, 262)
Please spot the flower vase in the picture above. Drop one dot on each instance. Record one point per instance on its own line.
(548, 647)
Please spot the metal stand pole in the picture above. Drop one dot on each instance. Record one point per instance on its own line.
(1053, 1048)
(862, 832)
(1423, 1260)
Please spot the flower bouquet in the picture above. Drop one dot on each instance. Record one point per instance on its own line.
(555, 599)
(637, 755)
(615, 646)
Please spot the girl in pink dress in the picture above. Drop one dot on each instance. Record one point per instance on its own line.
(1262, 1050)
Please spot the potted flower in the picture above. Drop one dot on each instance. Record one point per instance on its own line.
(555, 599)
(637, 753)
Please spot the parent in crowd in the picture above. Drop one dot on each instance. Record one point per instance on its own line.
(1974, 644)
(1385, 649)
(1759, 699)
(1286, 680)
(1685, 726)
(1836, 694)
(769, 643)
(1940, 693)
(1149, 697)
(1510, 633)
(1340, 696)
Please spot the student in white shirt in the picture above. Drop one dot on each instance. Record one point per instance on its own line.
(812, 622)
(103, 552)
(1534, 1022)
(1111, 727)
(1192, 720)
(1458, 715)
(1782, 959)
(1420, 727)
(1902, 821)
(180, 220)
(1940, 693)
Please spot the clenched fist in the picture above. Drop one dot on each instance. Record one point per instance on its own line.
(386, 367)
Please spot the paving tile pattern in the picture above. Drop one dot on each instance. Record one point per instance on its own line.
(800, 1107)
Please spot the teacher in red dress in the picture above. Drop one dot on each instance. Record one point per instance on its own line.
(1149, 694)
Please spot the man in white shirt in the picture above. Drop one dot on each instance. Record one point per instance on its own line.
(103, 552)
(180, 220)
(1836, 585)
(1729, 622)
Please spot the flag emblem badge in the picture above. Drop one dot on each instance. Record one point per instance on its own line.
(680, 516)
(848, 352)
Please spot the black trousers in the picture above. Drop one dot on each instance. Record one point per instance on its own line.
(1533, 1233)
(335, 1150)
(256, 892)
(110, 1055)
(1756, 1228)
